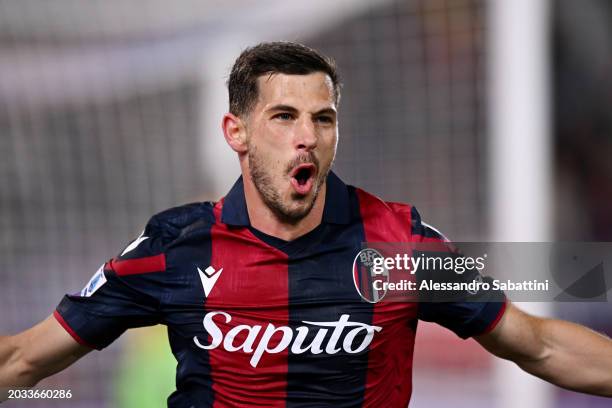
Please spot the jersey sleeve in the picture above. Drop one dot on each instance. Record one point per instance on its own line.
(124, 293)
(465, 313)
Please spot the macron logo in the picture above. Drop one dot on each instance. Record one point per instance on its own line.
(209, 278)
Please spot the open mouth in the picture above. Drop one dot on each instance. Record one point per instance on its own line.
(302, 178)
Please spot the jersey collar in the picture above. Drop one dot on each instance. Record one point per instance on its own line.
(336, 210)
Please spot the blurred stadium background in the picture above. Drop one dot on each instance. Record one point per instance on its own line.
(110, 112)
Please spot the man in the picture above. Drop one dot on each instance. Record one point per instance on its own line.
(257, 291)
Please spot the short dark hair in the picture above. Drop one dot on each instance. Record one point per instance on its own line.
(269, 58)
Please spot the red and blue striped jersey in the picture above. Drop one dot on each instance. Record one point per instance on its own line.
(257, 321)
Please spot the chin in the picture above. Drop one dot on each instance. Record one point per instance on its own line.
(295, 212)
(300, 210)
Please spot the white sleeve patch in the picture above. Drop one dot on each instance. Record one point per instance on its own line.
(95, 283)
(134, 243)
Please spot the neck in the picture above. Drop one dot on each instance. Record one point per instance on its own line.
(265, 220)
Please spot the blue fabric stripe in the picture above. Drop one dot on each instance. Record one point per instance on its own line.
(193, 373)
(321, 290)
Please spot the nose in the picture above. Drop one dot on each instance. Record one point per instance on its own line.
(306, 135)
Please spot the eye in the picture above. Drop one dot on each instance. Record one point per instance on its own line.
(283, 116)
(325, 119)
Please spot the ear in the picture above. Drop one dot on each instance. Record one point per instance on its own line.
(234, 131)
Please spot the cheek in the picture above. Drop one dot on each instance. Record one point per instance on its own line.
(263, 138)
(329, 145)
(274, 140)
(269, 158)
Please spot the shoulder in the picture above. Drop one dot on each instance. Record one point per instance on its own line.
(372, 205)
(401, 214)
(174, 222)
(168, 227)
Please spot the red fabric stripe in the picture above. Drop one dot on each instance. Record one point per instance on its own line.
(137, 266)
(71, 332)
(253, 289)
(494, 323)
(389, 377)
(421, 238)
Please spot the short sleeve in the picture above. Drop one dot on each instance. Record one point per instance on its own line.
(466, 313)
(124, 293)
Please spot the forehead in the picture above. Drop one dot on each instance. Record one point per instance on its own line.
(280, 88)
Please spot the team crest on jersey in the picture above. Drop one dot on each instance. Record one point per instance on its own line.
(95, 283)
(366, 279)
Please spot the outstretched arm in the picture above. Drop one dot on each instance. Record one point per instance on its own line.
(563, 353)
(28, 357)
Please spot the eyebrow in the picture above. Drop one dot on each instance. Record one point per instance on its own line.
(289, 108)
(324, 111)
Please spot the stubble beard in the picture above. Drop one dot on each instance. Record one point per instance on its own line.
(263, 181)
